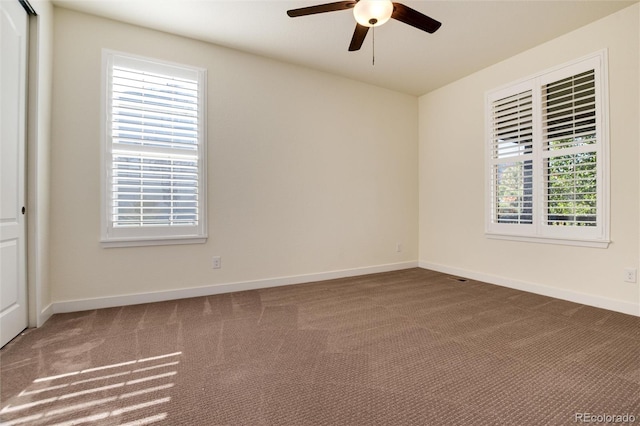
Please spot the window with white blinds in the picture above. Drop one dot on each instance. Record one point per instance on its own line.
(512, 158)
(569, 150)
(547, 149)
(154, 180)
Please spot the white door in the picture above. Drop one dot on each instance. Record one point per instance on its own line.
(13, 72)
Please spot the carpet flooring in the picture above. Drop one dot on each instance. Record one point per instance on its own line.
(411, 347)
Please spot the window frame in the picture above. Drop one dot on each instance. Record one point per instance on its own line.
(113, 236)
(538, 231)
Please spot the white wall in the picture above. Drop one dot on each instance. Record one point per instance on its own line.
(451, 151)
(308, 173)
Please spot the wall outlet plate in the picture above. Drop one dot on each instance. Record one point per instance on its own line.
(217, 262)
(630, 275)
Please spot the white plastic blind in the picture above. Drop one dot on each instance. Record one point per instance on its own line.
(512, 158)
(155, 152)
(570, 151)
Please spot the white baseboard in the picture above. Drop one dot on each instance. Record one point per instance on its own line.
(160, 296)
(45, 315)
(558, 293)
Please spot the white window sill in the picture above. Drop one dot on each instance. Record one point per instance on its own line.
(113, 243)
(602, 244)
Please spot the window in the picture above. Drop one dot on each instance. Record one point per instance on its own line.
(154, 152)
(547, 156)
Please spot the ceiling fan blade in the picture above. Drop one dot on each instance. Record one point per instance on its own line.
(321, 8)
(414, 18)
(358, 37)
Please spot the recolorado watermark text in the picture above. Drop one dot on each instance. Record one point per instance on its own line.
(604, 418)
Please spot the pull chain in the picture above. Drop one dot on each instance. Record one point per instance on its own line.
(373, 40)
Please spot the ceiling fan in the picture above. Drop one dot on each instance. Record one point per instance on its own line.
(372, 13)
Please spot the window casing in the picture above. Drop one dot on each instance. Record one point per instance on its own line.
(154, 152)
(547, 156)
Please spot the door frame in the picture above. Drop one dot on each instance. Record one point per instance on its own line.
(39, 88)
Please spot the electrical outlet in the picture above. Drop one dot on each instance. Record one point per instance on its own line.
(399, 247)
(630, 275)
(217, 262)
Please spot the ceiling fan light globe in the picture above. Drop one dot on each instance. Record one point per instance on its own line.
(373, 13)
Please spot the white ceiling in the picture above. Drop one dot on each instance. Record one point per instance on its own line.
(474, 34)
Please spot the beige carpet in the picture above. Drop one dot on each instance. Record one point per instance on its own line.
(412, 347)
